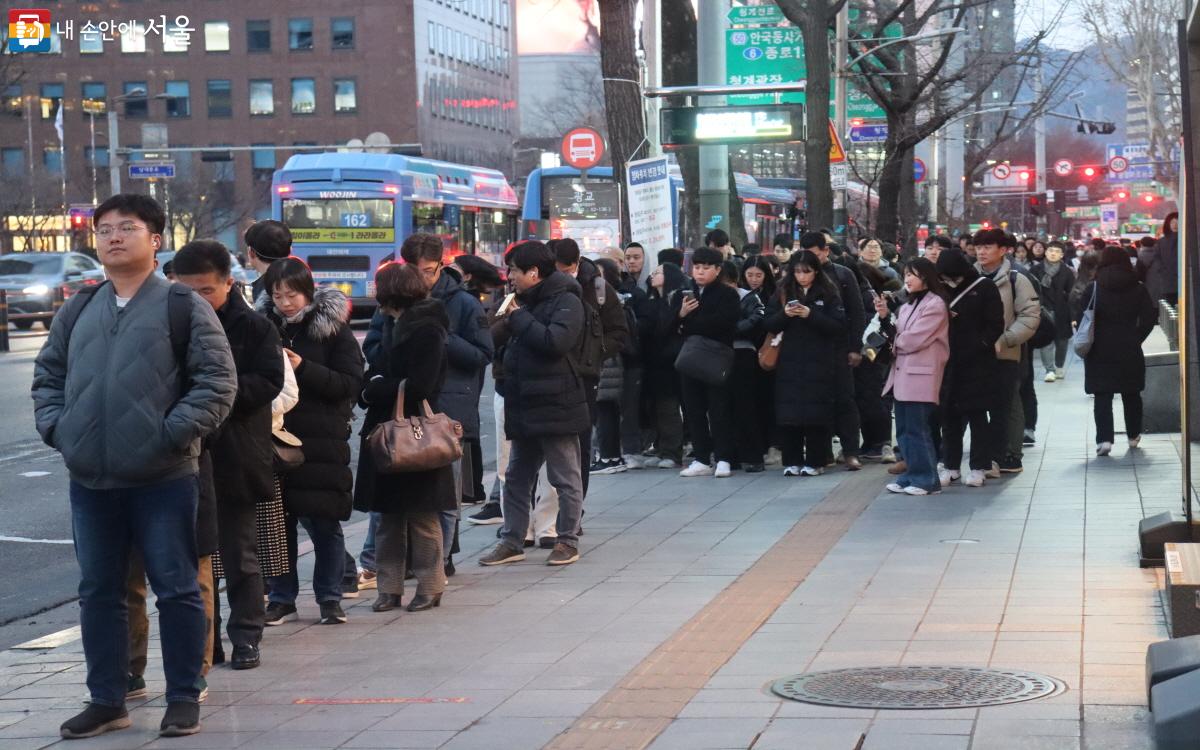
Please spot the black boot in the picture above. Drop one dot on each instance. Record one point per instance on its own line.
(386, 603)
(420, 602)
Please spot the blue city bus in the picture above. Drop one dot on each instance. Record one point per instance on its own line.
(349, 213)
(561, 202)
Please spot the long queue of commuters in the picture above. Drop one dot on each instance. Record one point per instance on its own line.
(199, 431)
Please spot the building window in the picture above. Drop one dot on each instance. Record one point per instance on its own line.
(95, 99)
(504, 14)
(101, 155)
(91, 42)
(179, 99)
(12, 162)
(262, 98)
(14, 103)
(52, 96)
(52, 159)
(300, 34)
(220, 98)
(258, 36)
(345, 95)
(137, 105)
(223, 171)
(431, 32)
(263, 162)
(343, 33)
(216, 36)
(176, 38)
(134, 40)
(304, 96)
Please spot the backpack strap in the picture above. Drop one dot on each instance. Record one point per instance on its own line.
(179, 318)
(70, 313)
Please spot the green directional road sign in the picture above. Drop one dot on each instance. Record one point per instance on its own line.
(752, 14)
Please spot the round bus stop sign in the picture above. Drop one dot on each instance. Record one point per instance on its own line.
(918, 170)
(582, 148)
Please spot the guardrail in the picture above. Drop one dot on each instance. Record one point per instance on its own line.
(1168, 320)
(3, 321)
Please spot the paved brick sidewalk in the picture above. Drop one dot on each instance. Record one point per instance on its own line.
(524, 656)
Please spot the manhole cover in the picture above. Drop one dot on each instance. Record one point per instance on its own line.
(916, 687)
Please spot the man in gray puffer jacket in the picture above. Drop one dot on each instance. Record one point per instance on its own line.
(127, 408)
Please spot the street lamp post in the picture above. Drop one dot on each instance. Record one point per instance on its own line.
(114, 138)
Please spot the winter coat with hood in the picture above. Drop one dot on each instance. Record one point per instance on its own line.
(414, 351)
(1022, 309)
(612, 315)
(543, 394)
(242, 453)
(976, 322)
(851, 304)
(330, 379)
(469, 350)
(812, 356)
(1123, 318)
(1056, 281)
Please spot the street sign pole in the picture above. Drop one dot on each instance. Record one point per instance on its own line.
(714, 160)
(840, 209)
(1039, 135)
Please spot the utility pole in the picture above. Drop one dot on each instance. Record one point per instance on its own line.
(1039, 137)
(714, 160)
(652, 46)
(114, 158)
(841, 37)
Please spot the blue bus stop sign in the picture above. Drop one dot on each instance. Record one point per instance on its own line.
(918, 170)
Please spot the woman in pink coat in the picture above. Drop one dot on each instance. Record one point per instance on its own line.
(921, 347)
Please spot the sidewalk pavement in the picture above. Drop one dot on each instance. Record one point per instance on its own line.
(693, 595)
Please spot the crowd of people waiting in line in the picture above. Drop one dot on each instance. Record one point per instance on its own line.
(199, 430)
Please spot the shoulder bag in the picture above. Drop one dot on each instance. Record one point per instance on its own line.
(421, 443)
(705, 359)
(1085, 333)
(288, 451)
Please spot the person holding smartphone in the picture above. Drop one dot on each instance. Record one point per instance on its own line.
(808, 311)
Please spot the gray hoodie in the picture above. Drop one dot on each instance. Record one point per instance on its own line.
(110, 399)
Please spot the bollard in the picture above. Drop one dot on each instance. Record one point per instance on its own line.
(3, 320)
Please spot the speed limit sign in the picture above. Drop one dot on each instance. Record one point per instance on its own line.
(1118, 164)
(1001, 171)
(1063, 167)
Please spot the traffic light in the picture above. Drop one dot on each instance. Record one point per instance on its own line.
(1024, 176)
(1096, 127)
(1090, 172)
(1035, 204)
(1121, 195)
(1149, 198)
(1060, 200)
(76, 221)
(987, 225)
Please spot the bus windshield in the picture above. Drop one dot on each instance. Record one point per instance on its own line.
(588, 211)
(337, 213)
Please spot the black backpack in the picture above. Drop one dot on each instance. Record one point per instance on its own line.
(588, 356)
(1045, 333)
(179, 314)
(633, 346)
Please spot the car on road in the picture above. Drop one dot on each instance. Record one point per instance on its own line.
(33, 281)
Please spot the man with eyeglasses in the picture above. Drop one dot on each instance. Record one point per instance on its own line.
(127, 409)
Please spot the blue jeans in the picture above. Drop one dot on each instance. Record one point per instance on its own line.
(366, 558)
(916, 443)
(329, 551)
(160, 521)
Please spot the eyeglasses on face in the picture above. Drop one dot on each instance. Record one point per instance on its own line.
(125, 228)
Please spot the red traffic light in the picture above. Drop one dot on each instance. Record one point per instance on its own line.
(1149, 198)
(987, 225)
(1090, 172)
(1121, 195)
(1024, 176)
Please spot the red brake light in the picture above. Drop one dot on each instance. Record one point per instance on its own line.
(391, 189)
(284, 189)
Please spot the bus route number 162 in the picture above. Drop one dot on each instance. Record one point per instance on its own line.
(357, 221)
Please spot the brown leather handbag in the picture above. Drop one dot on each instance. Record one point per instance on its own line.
(407, 444)
(768, 353)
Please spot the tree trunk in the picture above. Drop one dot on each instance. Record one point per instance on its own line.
(679, 69)
(814, 26)
(887, 221)
(622, 94)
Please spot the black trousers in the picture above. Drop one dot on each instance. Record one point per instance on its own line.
(238, 541)
(1131, 401)
(708, 412)
(1028, 394)
(631, 407)
(954, 423)
(847, 422)
(749, 429)
(608, 429)
(806, 445)
(473, 491)
(874, 412)
(1007, 375)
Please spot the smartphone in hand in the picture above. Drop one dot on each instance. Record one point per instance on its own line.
(506, 305)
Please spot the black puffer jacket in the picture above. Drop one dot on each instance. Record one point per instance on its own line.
(1123, 318)
(661, 347)
(851, 304)
(717, 316)
(811, 358)
(750, 329)
(242, 453)
(543, 394)
(468, 352)
(330, 379)
(413, 349)
(1056, 296)
(976, 322)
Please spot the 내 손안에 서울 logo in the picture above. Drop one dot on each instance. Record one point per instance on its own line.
(28, 30)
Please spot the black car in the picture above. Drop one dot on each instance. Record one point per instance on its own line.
(33, 281)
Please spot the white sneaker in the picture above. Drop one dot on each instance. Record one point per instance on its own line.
(946, 476)
(975, 478)
(889, 455)
(1060, 373)
(723, 469)
(1133, 441)
(665, 463)
(913, 490)
(994, 472)
(697, 469)
(809, 471)
(1103, 449)
(632, 461)
(791, 471)
(1050, 377)
(895, 488)
(774, 457)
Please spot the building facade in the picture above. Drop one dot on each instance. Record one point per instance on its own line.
(221, 74)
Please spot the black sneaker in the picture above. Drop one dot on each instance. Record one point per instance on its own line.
(332, 614)
(502, 553)
(181, 719)
(1011, 465)
(488, 515)
(753, 468)
(94, 720)
(609, 466)
(1029, 438)
(278, 614)
(547, 542)
(136, 687)
(350, 587)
